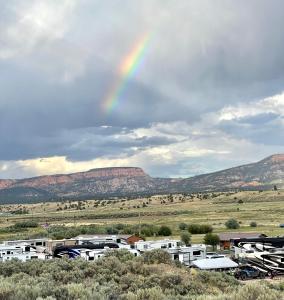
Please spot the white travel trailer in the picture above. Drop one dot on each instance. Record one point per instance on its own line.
(32, 243)
(98, 253)
(95, 239)
(22, 252)
(160, 244)
(127, 239)
(39, 244)
(185, 255)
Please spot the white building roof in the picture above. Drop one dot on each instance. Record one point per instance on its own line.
(215, 263)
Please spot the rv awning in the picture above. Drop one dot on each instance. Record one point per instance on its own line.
(214, 263)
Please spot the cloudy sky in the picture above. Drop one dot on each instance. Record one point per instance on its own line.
(207, 92)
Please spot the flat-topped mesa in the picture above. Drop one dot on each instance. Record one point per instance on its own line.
(115, 172)
(277, 158)
(6, 183)
(101, 173)
(123, 181)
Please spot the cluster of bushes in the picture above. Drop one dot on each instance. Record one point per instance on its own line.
(20, 211)
(61, 231)
(123, 215)
(146, 230)
(26, 224)
(196, 228)
(19, 227)
(121, 276)
(199, 228)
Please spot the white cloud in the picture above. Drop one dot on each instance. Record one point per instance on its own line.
(35, 24)
(36, 38)
(195, 144)
(274, 104)
(53, 165)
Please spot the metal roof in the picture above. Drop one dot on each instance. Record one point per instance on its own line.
(227, 236)
(95, 236)
(214, 263)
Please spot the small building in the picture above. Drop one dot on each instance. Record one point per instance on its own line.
(215, 264)
(52, 244)
(227, 238)
(130, 239)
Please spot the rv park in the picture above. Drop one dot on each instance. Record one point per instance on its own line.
(28, 231)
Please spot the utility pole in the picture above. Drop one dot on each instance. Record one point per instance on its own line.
(139, 223)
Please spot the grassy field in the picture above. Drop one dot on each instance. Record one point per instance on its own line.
(265, 208)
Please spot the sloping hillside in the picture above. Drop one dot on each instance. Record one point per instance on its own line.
(261, 175)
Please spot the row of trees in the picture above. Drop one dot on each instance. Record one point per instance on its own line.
(209, 239)
(196, 228)
(144, 230)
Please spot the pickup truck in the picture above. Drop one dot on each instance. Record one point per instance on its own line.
(248, 272)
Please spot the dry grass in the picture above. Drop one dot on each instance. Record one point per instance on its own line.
(265, 208)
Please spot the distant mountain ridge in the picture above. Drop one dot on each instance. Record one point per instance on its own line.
(124, 181)
(260, 175)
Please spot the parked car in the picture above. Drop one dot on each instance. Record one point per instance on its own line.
(248, 272)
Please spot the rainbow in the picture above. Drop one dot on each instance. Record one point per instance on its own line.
(127, 69)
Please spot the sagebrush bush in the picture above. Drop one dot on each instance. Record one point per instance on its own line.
(121, 276)
(232, 224)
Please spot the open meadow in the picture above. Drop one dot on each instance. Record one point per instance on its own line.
(265, 208)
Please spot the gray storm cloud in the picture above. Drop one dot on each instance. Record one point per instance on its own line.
(58, 61)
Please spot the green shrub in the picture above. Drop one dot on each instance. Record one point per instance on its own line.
(6, 289)
(211, 239)
(185, 238)
(164, 231)
(232, 224)
(199, 229)
(183, 226)
(253, 224)
(157, 256)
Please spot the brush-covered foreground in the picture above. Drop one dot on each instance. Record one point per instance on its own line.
(120, 275)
